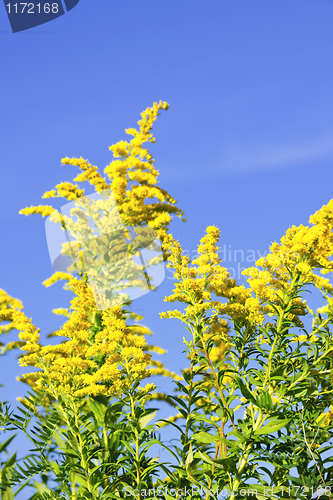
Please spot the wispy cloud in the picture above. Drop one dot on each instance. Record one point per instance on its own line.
(239, 157)
(275, 156)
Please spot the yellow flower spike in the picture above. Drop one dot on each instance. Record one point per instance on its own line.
(14, 345)
(28, 333)
(50, 194)
(90, 173)
(69, 191)
(302, 249)
(136, 165)
(42, 210)
(140, 202)
(120, 149)
(72, 366)
(7, 302)
(57, 277)
(61, 311)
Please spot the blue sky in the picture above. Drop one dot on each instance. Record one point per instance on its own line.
(246, 145)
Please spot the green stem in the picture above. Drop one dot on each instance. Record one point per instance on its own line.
(278, 328)
(217, 384)
(187, 418)
(84, 462)
(73, 495)
(106, 445)
(137, 450)
(211, 474)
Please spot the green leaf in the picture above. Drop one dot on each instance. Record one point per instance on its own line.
(189, 458)
(4, 445)
(146, 419)
(59, 441)
(180, 402)
(10, 462)
(265, 401)
(98, 409)
(273, 426)
(220, 464)
(277, 373)
(238, 435)
(42, 488)
(55, 466)
(245, 392)
(97, 319)
(32, 467)
(203, 437)
(7, 495)
(254, 381)
(80, 479)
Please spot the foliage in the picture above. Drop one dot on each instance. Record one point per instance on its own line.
(253, 406)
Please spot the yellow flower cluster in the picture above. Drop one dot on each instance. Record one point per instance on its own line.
(89, 363)
(328, 308)
(61, 311)
(327, 419)
(301, 250)
(89, 173)
(65, 190)
(135, 166)
(196, 284)
(133, 179)
(304, 338)
(7, 302)
(58, 276)
(43, 210)
(7, 305)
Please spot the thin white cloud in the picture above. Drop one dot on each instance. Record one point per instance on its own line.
(260, 158)
(238, 158)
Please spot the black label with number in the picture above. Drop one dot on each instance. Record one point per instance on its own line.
(26, 15)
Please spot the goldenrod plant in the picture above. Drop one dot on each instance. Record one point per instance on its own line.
(253, 407)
